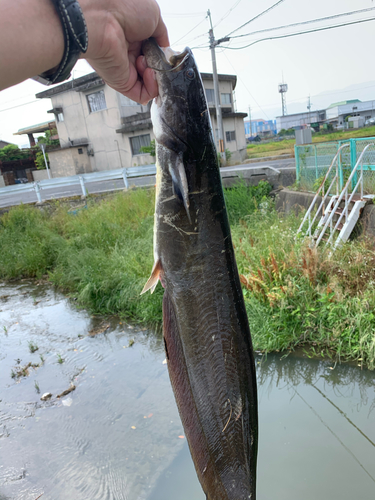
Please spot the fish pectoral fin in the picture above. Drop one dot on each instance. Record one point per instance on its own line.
(154, 278)
(179, 181)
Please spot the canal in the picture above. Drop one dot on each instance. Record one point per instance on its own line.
(117, 435)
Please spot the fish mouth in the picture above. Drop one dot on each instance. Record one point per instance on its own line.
(163, 59)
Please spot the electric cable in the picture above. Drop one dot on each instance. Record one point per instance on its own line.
(243, 83)
(306, 22)
(227, 14)
(302, 33)
(257, 16)
(190, 30)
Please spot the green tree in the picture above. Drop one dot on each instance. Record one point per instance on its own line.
(13, 152)
(150, 149)
(46, 138)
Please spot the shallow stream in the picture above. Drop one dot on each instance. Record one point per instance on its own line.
(118, 434)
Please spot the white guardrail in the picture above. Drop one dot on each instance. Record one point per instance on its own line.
(79, 180)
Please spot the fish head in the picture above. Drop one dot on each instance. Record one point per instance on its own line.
(179, 113)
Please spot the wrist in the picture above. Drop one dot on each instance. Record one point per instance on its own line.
(75, 41)
(31, 39)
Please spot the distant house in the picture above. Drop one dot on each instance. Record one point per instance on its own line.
(260, 127)
(234, 132)
(3, 144)
(100, 129)
(312, 118)
(340, 114)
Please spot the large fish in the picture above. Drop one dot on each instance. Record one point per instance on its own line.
(205, 327)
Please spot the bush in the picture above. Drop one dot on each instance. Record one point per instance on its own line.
(13, 152)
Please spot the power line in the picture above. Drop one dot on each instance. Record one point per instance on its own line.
(257, 16)
(302, 33)
(227, 14)
(190, 30)
(306, 22)
(196, 37)
(243, 83)
(19, 105)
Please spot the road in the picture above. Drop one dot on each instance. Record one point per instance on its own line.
(105, 186)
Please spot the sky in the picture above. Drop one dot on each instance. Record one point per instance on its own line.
(329, 66)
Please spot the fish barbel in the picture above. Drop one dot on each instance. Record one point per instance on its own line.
(206, 333)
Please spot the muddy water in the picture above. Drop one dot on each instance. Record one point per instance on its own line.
(118, 435)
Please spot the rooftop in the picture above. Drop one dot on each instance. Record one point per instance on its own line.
(343, 103)
(94, 80)
(34, 129)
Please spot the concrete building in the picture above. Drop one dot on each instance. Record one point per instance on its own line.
(260, 127)
(234, 133)
(100, 129)
(347, 114)
(312, 118)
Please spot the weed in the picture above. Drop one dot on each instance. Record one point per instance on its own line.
(5, 329)
(32, 347)
(37, 388)
(41, 358)
(23, 371)
(60, 359)
(294, 296)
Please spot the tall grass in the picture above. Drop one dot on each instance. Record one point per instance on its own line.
(299, 296)
(294, 295)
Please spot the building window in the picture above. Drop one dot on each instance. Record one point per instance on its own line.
(226, 99)
(367, 117)
(138, 141)
(60, 117)
(80, 151)
(96, 101)
(230, 136)
(210, 94)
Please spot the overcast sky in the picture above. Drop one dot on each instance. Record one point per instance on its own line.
(330, 65)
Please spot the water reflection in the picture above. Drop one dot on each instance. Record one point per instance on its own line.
(118, 435)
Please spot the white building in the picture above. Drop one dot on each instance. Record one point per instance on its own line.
(100, 129)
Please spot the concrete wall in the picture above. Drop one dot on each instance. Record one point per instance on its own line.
(2, 183)
(40, 175)
(67, 162)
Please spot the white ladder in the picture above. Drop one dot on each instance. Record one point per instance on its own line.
(346, 207)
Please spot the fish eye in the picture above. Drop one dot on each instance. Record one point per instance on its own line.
(190, 74)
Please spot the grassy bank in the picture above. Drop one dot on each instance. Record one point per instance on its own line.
(257, 150)
(103, 255)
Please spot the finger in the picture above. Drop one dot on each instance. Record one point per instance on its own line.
(161, 34)
(141, 65)
(150, 85)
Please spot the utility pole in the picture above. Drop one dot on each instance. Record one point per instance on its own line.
(251, 128)
(309, 108)
(213, 44)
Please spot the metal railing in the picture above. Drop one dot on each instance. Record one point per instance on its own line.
(335, 180)
(82, 181)
(345, 193)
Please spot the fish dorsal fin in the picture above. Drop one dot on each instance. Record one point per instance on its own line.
(179, 181)
(153, 279)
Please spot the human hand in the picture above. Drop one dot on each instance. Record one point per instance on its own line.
(116, 29)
